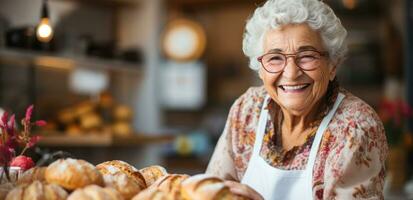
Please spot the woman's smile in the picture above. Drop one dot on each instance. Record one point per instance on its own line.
(294, 88)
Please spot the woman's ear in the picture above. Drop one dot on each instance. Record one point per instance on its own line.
(333, 69)
(332, 74)
(260, 73)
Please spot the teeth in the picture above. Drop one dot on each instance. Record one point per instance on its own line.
(295, 87)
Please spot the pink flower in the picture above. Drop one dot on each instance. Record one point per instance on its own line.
(4, 118)
(33, 141)
(40, 123)
(29, 112)
(23, 162)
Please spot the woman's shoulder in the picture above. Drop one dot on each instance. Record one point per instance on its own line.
(354, 108)
(356, 121)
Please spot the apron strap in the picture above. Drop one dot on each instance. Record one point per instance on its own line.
(260, 131)
(320, 131)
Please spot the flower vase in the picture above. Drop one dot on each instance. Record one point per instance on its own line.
(14, 173)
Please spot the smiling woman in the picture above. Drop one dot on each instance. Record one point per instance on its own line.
(300, 135)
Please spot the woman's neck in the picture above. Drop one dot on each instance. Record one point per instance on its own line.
(298, 123)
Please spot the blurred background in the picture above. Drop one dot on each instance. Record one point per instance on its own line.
(152, 81)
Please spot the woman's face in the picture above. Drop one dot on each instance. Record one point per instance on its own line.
(295, 90)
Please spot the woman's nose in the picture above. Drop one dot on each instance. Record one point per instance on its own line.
(291, 70)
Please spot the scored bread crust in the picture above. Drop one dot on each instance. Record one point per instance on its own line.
(171, 184)
(153, 173)
(73, 173)
(190, 185)
(111, 167)
(125, 185)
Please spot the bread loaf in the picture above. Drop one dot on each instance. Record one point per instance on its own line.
(72, 173)
(37, 190)
(206, 187)
(125, 185)
(111, 167)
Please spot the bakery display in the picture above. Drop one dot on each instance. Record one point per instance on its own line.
(37, 190)
(75, 179)
(73, 173)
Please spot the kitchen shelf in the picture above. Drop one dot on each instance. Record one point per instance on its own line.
(58, 139)
(32, 58)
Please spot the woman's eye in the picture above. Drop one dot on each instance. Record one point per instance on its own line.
(306, 58)
(276, 58)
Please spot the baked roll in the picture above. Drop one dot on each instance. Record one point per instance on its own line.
(127, 186)
(95, 192)
(111, 167)
(33, 174)
(37, 191)
(153, 173)
(73, 173)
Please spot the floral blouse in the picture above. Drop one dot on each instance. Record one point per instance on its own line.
(350, 160)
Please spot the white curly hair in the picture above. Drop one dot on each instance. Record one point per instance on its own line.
(275, 13)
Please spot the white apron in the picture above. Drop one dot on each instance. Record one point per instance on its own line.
(273, 183)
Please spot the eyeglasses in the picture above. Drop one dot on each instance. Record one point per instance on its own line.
(306, 60)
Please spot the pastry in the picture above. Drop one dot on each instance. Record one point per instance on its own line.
(37, 191)
(90, 121)
(122, 129)
(125, 185)
(72, 173)
(33, 174)
(94, 192)
(111, 167)
(153, 173)
(122, 113)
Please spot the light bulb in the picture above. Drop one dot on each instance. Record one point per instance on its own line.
(44, 31)
(350, 4)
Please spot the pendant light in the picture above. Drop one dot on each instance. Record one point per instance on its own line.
(44, 31)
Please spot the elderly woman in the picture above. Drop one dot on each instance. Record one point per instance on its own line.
(300, 136)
